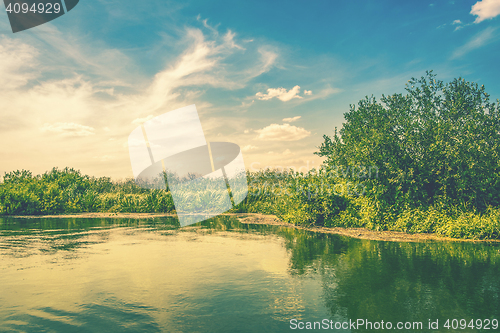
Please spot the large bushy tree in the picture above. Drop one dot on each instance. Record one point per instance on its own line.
(439, 144)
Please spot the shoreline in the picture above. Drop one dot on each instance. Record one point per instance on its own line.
(361, 233)
(256, 218)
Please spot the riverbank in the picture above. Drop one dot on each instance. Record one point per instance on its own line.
(309, 199)
(361, 233)
(254, 218)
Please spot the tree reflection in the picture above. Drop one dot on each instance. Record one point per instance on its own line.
(395, 281)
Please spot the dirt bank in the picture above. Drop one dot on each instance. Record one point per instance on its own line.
(360, 233)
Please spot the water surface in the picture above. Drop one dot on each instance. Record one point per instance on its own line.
(149, 275)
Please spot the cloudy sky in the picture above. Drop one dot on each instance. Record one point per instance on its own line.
(271, 76)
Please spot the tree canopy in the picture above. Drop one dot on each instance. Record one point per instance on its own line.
(439, 144)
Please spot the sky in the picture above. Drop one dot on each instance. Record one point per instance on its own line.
(270, 76)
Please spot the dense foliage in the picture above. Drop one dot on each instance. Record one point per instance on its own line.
(68, 191)
(436, 149)
(322, 198)
(298, 198)
(438, 144)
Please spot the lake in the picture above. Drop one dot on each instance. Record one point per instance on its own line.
(150, 275)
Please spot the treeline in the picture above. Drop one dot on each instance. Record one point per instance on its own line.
(319, 197)
(68, 191)
(323, 198)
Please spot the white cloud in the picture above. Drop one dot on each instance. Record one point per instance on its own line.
(61, 51)
(17, 61)
(139, 121)
(68, 129)
(486, 9)
(459, 25)
(246, 131)
(248, 148)
(287, 152)
(246, 105)
(291, 120)
(203, 64)
(479, 40)
(208, 26)
(229, 40)
(280, 93)
(308, 92)
(268, 58)
(285, 132)
(322, 94)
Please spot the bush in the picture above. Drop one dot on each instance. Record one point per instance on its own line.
(437, 145)
(68, 191)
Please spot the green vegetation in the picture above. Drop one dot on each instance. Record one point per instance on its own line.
(437, 150)
(427, 161)
(68, 191)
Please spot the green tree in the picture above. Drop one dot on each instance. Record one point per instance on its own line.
(439, 144)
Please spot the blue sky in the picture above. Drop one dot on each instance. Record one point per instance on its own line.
(272, 77)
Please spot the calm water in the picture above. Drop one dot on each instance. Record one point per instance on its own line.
(125, 275)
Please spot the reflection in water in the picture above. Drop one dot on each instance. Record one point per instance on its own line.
(129, 275)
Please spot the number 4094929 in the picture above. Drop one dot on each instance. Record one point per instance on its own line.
(485, 324)
(47, 8)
